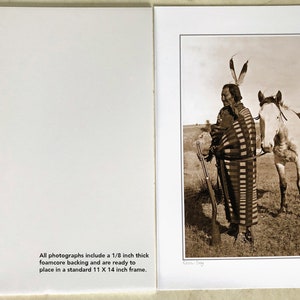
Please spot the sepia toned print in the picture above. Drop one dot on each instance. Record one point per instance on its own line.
(207, 63)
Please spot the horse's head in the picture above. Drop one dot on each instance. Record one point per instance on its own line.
(270, 119)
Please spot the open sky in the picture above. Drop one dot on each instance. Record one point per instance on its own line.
(274, 65)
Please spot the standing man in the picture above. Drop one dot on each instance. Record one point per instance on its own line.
(234, 145)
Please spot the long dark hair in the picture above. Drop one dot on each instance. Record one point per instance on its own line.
(234, 91)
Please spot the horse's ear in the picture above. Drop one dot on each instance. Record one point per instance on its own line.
(279, 97)
(261, 96)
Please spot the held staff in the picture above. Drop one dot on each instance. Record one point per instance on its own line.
(215, 236)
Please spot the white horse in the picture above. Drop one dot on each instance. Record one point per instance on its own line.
(280, 133)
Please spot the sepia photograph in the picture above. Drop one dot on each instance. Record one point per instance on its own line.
(240, 145)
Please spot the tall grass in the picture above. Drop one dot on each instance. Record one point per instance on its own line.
(275, 235)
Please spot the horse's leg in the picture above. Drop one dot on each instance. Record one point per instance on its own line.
(280, 166)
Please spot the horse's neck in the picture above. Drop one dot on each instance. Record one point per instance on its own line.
(282, 136)
(288, 126)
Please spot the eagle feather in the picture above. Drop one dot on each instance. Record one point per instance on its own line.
(231, 66)
(243, 73)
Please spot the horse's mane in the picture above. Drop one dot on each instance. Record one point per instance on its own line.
(286, 107)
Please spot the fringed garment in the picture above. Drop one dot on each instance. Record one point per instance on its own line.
(237, 169)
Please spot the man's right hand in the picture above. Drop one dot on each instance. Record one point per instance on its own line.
(210, 156)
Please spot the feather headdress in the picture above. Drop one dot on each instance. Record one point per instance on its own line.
(238, 80)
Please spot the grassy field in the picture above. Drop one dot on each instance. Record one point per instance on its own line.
(275, 235)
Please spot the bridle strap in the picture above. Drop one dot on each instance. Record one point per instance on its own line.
(258, 117)
(247, 158)
(282, 113)
(267, 100)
